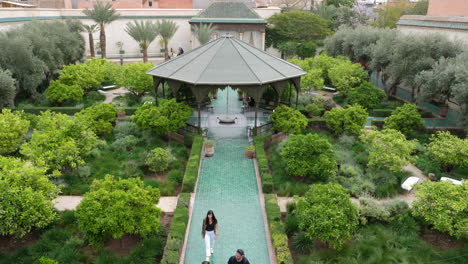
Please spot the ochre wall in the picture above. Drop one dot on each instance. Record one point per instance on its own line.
(175, 4)
(448, 8)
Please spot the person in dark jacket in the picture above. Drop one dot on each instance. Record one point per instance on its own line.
(238, 258)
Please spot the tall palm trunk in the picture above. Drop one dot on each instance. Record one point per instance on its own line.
(166, 52)
(102, 39)
(91, 44)
(145, 54)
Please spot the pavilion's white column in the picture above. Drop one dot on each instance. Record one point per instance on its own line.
(263, 41)
(241, 35)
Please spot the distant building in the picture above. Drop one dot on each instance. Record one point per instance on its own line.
(449, 17)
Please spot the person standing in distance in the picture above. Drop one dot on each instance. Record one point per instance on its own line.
(209, 233)
(238, 258)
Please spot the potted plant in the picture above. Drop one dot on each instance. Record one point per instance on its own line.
(250, 152)
(120, 45)
(209, 148)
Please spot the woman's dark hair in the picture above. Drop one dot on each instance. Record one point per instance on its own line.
(215, 221)
(240, 251)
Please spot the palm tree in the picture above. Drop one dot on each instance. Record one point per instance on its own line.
(102, 14)
(143, 32)
(91, 29)
(166, 29)
(203, 32)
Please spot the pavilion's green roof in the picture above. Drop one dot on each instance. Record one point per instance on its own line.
(226, 61)
(229, 11)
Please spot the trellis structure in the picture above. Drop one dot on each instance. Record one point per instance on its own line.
(224, 62)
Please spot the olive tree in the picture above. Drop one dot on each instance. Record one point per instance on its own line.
(115, 207)
(26, 196)
(309, 156)
(13, 130)
(444, 206)
(7, 89)
(327, 214)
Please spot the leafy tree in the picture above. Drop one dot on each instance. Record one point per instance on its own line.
(419, 8)
(288, 120)
(327, 214)
(346, 76)
(13, 130)
(309, 156)
(388, 149)
(341, 16)
(443, 205)
(349, 120)
(405, 118)
(143, 32)
(158, 160)
(91, 29)
(86, 75)
(313, 78)
(306, 49)
(133, 76)
(115, 207)
(59, 93)
(58, 142)
(26, 196)
(296, 26)
(177, 113)
(102, 14)
(7, 89)
(366, 95)
(100, 118)
(204, 32)
(389, 14)
(449, 150)
(166, 29)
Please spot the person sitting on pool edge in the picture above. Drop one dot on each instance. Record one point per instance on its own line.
(238, 258)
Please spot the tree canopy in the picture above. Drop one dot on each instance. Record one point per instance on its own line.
(99, 118)
(327, 214)
(288, 120)
(348, 120)
(13, 131)
(115, 207)
(143, 32)
(133, 77)
(449, 150)
(405, 119)
(26, 196)
(7, 89)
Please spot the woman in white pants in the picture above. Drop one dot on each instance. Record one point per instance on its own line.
(209, 233)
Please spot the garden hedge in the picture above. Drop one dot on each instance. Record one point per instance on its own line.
(279, 238)
(176, 235)
(191, 170)
(388, 112)
(264, 170)
(69, 110)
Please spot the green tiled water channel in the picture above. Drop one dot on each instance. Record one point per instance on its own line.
(227, 185)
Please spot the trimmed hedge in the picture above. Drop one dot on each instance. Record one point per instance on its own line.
(264, 170)
(69, 110)
(277, 231)
(176, 236)
(388, 112)
(191, 171)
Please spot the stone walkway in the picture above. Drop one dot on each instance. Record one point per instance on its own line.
(167, 204)
(227, 185)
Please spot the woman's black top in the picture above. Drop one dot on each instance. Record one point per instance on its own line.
(210, 227)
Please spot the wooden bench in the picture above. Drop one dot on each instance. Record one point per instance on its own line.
(109, 87)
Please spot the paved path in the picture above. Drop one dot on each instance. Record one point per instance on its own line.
(408, 197)
(227, 185)
(167, 204)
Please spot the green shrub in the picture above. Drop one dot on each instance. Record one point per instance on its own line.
(158, 160)
(176, 176)
(59, 92)
(125, 144)
(69, 110)
(152, 183)
(313, 110)
(405, 118)
(93, 98)
(288, 120)
(291, 224)
(350, 120)
(278, 235)
(178, 150)
(366, 95)
(262, 161)
(191, 170)
(347, 140)
(68, 218)
(176, 235)
(100, 118)
(302, 243)
(124, 129)
(188, 139)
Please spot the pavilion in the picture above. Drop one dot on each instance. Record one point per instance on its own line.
(223, 62)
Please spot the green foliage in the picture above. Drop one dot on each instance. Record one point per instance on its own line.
(448, 150)
(133, 76)
(26, 196)
(7, 88)
(314, 109)
(346, 120)
(191, 170)
(114, 207)
(405, 119)
(288, 120)
(338, 3)
(158, 160)
(86, 75)
(347, 75)
(169, 116)
(59, 93)
(366, 95)
(58, 142)
(13, 129)
(327, 214)
(388, 149)
(443, 205)
(277, 230)
(176, 235)
(166, 29)
(296, 26)
(99, 118)
(143, 32)
(267, 180)
(309, 156)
